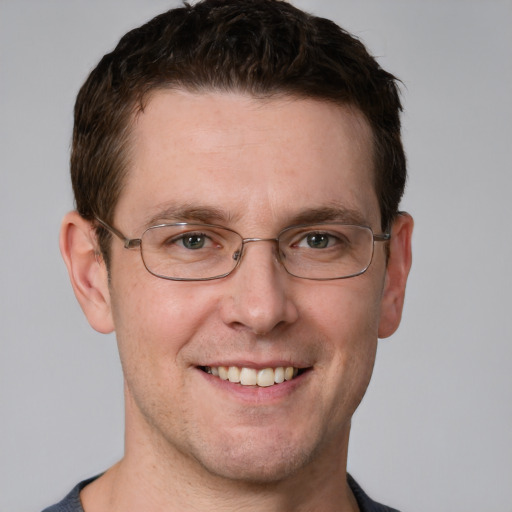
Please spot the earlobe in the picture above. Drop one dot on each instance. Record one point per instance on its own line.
(87, 271)
(399, 264)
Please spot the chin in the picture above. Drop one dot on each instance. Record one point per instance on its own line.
(261, 472)
(258, 461)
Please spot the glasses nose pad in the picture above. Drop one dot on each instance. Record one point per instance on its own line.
(280, 254)
(237, 255)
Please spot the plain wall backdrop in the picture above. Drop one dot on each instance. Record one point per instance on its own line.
(434, 432)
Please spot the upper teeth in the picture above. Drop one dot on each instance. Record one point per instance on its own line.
(252, 377)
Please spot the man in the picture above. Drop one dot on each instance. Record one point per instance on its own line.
(237, 169)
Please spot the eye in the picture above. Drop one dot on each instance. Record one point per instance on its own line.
(193, 241)
(317, 240)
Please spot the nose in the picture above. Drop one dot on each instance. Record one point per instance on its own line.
(260, 296)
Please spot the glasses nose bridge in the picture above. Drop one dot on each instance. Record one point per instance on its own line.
(252, 240)
(238, 255)
(249, 240)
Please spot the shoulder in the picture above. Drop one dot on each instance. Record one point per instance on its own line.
(71, 503)
(365, 503)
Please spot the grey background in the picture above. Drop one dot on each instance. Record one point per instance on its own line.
(435, 429)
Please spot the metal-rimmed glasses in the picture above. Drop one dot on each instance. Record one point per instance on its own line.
(186, 251)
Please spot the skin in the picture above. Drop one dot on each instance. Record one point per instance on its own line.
(194, 442)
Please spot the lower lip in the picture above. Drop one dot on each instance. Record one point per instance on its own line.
(256, 394)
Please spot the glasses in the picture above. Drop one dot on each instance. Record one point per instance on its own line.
(201, 252)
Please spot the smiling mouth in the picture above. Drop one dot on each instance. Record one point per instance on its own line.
(264, 377)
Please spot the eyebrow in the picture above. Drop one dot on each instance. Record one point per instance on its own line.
(188, 213)
(331, 213)
(205, 214)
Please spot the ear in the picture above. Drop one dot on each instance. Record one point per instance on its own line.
(87, 270)
(399, 264)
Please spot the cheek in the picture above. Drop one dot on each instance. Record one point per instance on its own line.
(155, 322)
(155, 319)
(347, 318)
(345, 310)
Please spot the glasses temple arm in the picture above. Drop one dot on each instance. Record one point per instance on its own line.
(129, 243)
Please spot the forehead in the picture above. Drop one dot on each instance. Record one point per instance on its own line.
(247, 158)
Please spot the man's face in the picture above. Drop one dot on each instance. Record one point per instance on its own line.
(255, 166)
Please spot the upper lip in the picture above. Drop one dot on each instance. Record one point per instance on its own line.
(274, 363)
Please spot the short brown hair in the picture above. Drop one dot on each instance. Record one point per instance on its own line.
(258, 47)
